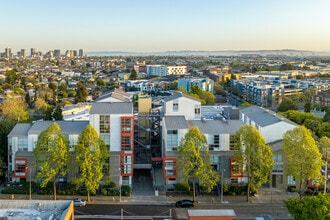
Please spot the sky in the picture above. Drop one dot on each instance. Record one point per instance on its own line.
(164, 25)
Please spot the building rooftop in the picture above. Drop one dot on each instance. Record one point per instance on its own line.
(34, 209)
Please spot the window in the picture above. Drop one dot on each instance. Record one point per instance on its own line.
(213, 142)
(21, 168)
(278, 163)
(175, 106)
(127, 165)
(22, 144)
(235, 168)
(104, 123)
(172, 139)
(232, 142)
(291, 180)
(126, 125)
(170, 168)
(126, 143)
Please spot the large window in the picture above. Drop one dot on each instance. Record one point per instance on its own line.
(104, 123)
(126, 143)
(20, 168)
(170, 168)
(278, 163)
(172, 139)
(126, 165)
(126, 125)
(213, 142)
(22, 144)
(235, 168)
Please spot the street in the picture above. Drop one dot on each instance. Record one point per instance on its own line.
(113, 211)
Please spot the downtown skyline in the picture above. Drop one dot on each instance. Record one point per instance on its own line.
(157, 26)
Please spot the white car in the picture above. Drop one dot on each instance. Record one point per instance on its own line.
(79, 202)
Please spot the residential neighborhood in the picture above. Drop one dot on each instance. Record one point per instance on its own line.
(143, 107)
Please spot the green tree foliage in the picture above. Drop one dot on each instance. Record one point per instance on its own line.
(286, 66)
(195, 161)
(90, 153)
(5, 127)
(287, 104)
(314, 207)
(207, 97)
(310, 121)
(52, 155)
(195, 90)
(133, 75)
(81, 94)
(245, 104)
(15, 110)
(254, 155)
(53, 113)
(304, 157)
(326, 117)
(324, 145)
(307, 106)
(11, 76)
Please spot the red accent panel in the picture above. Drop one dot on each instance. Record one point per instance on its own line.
(234, 173)
(174, 160)
(21, 168)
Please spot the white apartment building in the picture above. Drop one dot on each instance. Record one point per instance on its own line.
(156, 70)
(177, 70)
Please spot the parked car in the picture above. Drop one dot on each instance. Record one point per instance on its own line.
(79, 202)
(184, 203)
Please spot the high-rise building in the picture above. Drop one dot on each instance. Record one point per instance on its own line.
(8, 52)
(33, 52)
(75, 53)
(81, 52)
(23, 53)
(57, 53)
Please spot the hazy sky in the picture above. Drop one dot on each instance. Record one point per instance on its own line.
(162, 25)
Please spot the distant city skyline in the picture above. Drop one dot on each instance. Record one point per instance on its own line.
(159, 25)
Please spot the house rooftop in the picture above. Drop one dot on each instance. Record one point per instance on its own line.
(111, 108)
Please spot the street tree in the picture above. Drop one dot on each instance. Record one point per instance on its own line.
(304, 157)
(81, 94)
(15, 110)
(287, 104)
(133, 75)
(312, 207)
(324, 145)
(254, 156)
(90, 154)
(52, 155)
(195, 161)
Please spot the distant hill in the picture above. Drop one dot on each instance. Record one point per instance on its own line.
(284, 52)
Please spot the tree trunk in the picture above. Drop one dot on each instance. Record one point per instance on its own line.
(248, 192)
(300, 189)
(88, 196)
(194, 190)
(54, 188)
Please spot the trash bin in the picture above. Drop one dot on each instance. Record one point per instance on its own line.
(156, 192)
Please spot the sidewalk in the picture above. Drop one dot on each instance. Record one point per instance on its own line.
(266, 195)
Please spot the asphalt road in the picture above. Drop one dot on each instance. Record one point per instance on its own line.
(112, 211)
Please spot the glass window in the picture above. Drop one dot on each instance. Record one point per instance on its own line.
(22, 144)
(126, 125)
(232, 142)
(126, 143)
(175, 106)
(104, 123)
(172, 139)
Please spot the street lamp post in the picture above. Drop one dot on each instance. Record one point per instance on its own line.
(119, 186)
(221, 182)
(30, 182)
(29, 170)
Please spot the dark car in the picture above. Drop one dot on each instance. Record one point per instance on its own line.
(184, 203)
